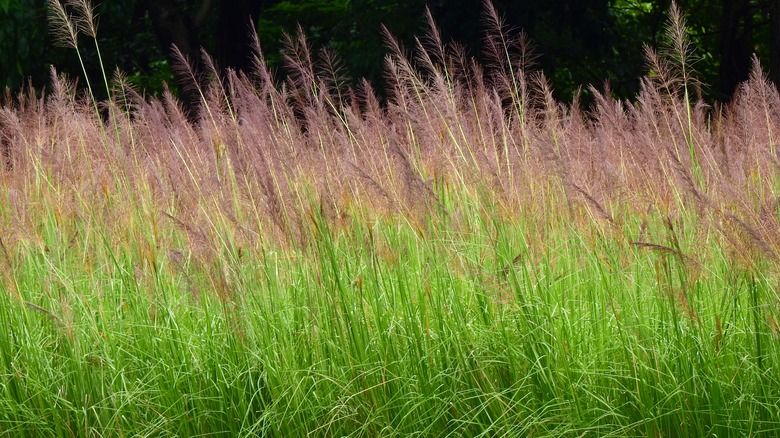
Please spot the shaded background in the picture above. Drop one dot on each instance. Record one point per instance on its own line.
(578, 42)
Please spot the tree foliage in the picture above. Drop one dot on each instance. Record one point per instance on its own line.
(578, 42)
(22, 46)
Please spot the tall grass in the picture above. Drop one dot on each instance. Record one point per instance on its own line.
(471, 258)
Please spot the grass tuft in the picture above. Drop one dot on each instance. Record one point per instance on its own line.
(470, 258)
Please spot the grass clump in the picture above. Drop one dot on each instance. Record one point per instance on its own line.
(471, 258)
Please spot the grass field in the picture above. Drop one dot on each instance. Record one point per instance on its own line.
(471, 258)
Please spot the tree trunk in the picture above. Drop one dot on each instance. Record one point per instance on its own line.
(233, 30)
(173, 27)
(736, 37)
(774, 41)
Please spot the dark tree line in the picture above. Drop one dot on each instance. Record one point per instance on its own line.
(578, 42)
(177, 25)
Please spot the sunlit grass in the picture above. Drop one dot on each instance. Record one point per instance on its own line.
(471, 323)
(471, 258)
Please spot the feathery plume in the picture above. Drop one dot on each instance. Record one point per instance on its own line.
(85, 18)
(62, 26)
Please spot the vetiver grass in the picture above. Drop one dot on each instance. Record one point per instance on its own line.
(470, 259)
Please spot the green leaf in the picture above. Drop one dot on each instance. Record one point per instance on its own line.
(5, 5)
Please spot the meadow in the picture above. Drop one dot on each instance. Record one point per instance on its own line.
(469, 258)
